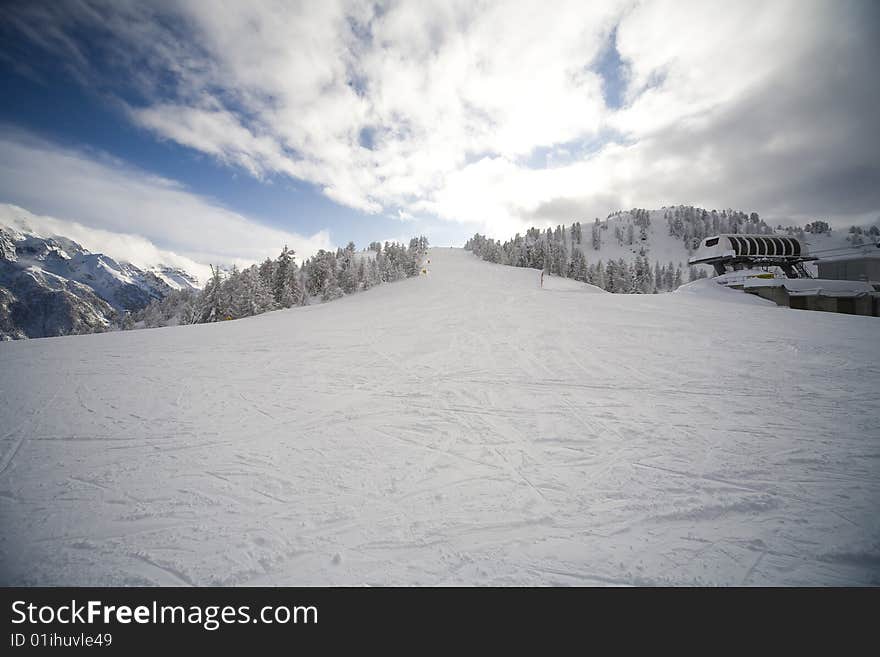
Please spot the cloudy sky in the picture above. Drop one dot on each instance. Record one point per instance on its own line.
(221, 130)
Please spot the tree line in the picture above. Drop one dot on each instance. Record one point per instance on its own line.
(282, 283)
(560, 251)
(692, 224)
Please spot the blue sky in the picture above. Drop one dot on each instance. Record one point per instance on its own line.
(220, 132)
(57, 107)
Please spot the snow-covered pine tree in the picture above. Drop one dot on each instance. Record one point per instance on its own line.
(281, 278)
(348, 281)
(361, 275)
(578, 267)
(669, 277)
(211, 301)
(621, 273)
(373, 276)
(633, 278)
(598, 277)
(261, 299)
(644, 278)
(610, 277)
(237, 295)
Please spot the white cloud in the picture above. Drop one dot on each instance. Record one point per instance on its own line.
(402, 215)
(122, 247)
(130, 210)
(411, 108)
(757, 106)
(292, 88)
(217, 132)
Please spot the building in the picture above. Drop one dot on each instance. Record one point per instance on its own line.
(853, 267)
(835, 296)
(745, 262)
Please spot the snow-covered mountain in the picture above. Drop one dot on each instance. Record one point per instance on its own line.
(51, 285)
(655, 243)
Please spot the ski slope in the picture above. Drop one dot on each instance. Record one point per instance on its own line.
(467, 427)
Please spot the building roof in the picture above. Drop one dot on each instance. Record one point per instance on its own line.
(806, 287)
(873, 254)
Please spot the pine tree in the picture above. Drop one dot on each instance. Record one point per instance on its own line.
(644, 278)
(599, 279)
(621, 273)
(361, 275)
(669, 277)
(578, 267)
(611, 277)
(373, 275)
(348, 281)
(211, 301)
(232, 293)
(260, 293)
(633, 282)
(281, 278)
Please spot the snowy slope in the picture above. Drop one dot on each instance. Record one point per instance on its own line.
(557, 283)
(620, 236)
(659, 245)
(174, 277)
(467, 427)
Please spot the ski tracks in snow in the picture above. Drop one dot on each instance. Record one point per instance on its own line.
(462, 428)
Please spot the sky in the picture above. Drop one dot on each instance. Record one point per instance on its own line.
(221, 131)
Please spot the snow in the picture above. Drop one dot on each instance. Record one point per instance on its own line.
(559, 284)
(41, 231)
(176, 279)
(862, 253)
(466, 427)
(708, 289)
(659, 246)
(740, 276)
(836, 245)
(810, 286)
(662, 247)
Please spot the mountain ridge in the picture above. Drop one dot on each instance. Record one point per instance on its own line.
(51, 285)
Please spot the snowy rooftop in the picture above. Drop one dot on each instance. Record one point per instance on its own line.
(871, 254)
(813, 286)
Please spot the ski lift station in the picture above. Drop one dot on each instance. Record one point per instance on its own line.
(751, 263)
(752, 251)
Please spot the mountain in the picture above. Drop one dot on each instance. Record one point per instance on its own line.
(36, 303)
(51, 285)
(465, 427)
(646, 251)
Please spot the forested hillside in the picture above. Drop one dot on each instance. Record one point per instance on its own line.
(281, 283)
(643, 251)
